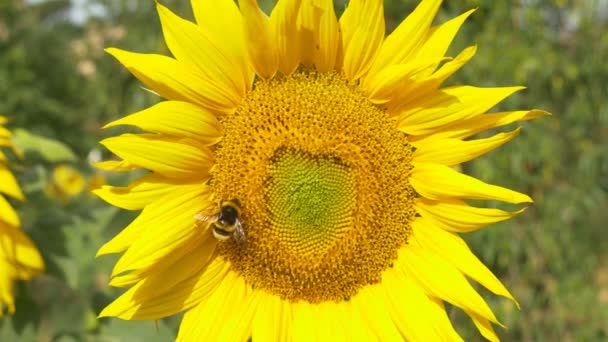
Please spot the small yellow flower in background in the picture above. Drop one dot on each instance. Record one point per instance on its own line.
(66, 182)
(19, 258)
(301, 182)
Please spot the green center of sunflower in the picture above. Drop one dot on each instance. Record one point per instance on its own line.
(322, 178)
(310, 200)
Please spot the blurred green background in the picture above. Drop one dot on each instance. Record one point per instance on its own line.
(58, 87)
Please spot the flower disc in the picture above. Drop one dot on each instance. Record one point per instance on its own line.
(322, 176)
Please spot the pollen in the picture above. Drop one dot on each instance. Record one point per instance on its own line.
(322, 176)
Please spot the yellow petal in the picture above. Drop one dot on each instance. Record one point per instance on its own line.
(8, 214)
(362, 27)
(273, 320)
(452, 152)
(283, 26)
(343, 317)
(151, 215)
(435, 181)
(457, 216)
(370, 304)
(221, 19)
(426, 85)
(429, 113)
(466, 128)
(190, 45)
(115, 165)
(226, 315)
(484, 326)
(177, 81)
(326, 321)
(441, 280)
(407, 37)
(453, 249)
(150, 299)
(449, 68)
(263, 54)
(222, 23)
(171, 225)
(441, 315)
(19, 251)
(7, 294)
(333, 321)
(319, 34)
(4, 141)
(4, 132)
(304, 322)
(422, 85)
(325, 59)
(139, 193)
(439, 38)
(167, 156)
(176, 266)
(382, 86)
(8, 183)
(176, 118)
(126, 280)
(127, 236)
(309, 19)
(411, 310)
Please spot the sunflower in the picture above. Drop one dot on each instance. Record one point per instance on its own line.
(19, 258)
(301, 180)
(65, 183)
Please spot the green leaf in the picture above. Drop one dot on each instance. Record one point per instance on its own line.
(51, 150)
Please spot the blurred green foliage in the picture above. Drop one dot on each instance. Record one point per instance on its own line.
(58, 88)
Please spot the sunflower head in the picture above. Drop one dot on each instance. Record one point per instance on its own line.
(334, 147)
(66, 182)
(326, 196)
(19, 258)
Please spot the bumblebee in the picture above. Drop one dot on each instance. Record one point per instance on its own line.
(226, 222)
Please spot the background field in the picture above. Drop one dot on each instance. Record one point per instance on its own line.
(57, 83)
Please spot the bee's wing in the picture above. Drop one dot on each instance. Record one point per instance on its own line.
(239, 232)
(206, 218)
